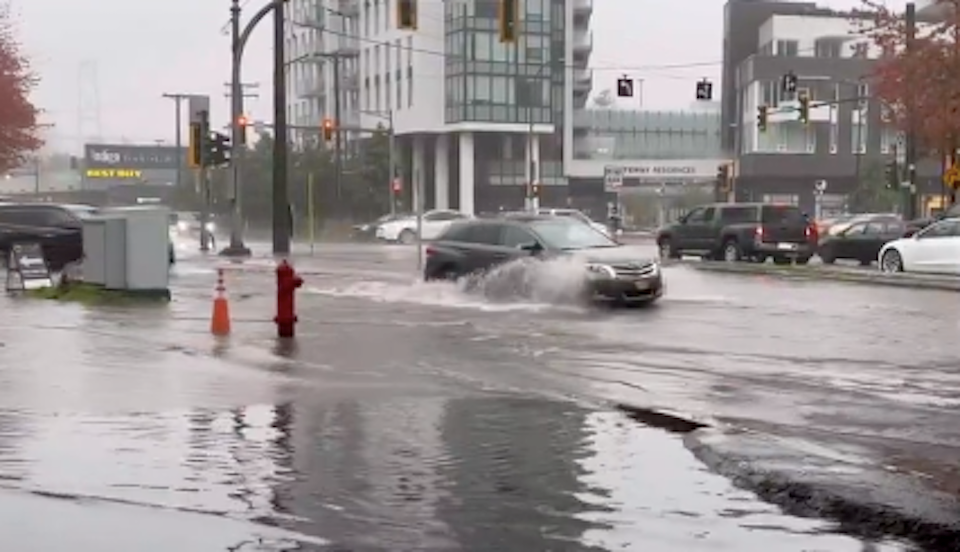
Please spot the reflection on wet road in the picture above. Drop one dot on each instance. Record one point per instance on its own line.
(417, 417)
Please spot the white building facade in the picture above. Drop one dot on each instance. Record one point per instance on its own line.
(474, 119)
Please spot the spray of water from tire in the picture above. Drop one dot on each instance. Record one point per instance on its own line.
(560, 281)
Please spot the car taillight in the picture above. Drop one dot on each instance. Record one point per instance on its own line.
(811, 232)
(430, 251)
(758, 233)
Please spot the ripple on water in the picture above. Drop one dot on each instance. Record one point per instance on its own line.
(475, 473)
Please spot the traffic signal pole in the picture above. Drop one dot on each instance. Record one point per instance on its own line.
(239, 39)
(338, 135)
(910, 160)
(282, 215)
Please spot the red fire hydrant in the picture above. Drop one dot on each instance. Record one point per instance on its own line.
(287, 284)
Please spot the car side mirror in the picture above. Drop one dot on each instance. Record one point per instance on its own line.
(911, 233)
(683, 219)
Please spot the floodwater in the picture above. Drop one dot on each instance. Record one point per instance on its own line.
(419, 417)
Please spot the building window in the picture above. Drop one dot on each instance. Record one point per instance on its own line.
(376, 93)
(410, 86)
(827, 48)
(399, 89)
(376, 16)
(787, 48)
(859, 138)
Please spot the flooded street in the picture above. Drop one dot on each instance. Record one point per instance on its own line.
(412, 416)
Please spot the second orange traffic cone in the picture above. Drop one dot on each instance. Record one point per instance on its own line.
(220, 320)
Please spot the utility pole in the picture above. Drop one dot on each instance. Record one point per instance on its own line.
(910, 191)
(391, 162)
(338, 137)
(177, 139)
(281, 202)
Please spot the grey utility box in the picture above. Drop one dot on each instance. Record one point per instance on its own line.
(127, 248)
(104, 250)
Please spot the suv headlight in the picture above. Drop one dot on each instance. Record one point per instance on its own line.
(601, 271)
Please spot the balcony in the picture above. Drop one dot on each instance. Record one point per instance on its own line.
(345, 46)
(350, 80)
(314, 18)
(349, 8)
(583, 81)
(582, 8)
(583, 42)
(311, 88)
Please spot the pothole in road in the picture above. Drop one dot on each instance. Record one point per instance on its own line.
(660, 420)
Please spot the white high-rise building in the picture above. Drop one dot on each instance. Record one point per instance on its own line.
(473, 117)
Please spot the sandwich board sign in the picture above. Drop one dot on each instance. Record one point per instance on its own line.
(27, 268)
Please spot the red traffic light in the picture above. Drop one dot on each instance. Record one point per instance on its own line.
(396, 185)
(327, 129)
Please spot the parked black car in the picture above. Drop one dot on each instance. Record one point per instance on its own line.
(611, 271)
(741, 231)
(57, 229)
(862, 241)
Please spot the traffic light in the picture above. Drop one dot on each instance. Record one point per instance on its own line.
(804, 109)
(195, 146)
(242, 124)
(407, 15)
(890, 177)
(762, 113)
(328, 130)
(723, 179)
(216, 150)
(509, 15)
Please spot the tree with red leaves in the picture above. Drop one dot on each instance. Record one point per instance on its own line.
(927, 77)
(19, 128)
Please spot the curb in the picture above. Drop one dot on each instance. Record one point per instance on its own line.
(866, 500)
(815, 273)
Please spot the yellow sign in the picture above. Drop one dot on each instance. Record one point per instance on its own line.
(114, 173)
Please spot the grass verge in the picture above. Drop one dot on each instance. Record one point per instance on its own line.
(89, 294)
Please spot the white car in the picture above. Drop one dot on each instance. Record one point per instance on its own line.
(573, 213)
(404, 230)
(933, 250)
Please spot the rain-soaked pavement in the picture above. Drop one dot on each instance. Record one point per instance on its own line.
(412, 417)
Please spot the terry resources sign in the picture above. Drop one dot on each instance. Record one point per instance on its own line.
(659, 170)
(114, 173)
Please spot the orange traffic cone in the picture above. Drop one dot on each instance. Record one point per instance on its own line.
(220, 320)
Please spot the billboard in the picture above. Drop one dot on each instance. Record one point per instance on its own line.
(109, 165)
(130, 157)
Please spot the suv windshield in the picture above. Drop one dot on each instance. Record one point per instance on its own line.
(570, 234)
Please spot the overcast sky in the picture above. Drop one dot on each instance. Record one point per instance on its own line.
(117, 59)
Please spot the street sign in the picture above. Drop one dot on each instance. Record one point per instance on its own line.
(625, 87)
(704, 90)
(612, 179)
(951, 177)
(198, 105)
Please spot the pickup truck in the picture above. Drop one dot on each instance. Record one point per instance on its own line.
(741, 231)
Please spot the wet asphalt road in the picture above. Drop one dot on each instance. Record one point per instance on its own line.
(411, 416)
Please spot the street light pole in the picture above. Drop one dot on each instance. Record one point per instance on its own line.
(910, 191)
(236, 248)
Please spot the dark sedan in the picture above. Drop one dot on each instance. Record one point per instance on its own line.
(611, 271)
(862, 241)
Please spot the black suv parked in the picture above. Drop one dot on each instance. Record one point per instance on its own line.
(741, 231)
